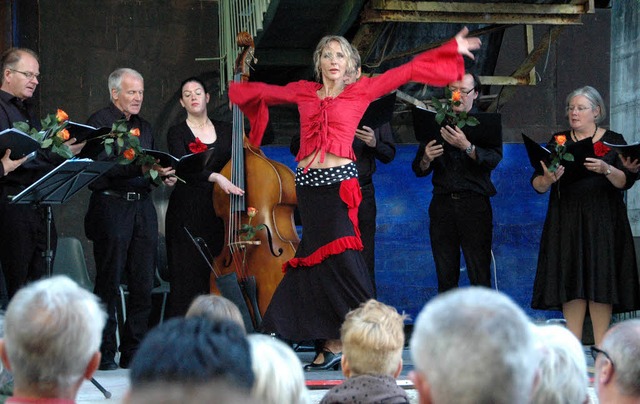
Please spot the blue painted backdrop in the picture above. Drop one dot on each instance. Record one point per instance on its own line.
(405, 272)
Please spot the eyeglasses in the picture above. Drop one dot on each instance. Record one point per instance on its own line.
(462, 90)
(579, 108)
(595, 351)
(188, 94)
(28, 75)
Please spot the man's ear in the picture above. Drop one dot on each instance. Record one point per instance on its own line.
(93, 364)
(398, 370)
(346, 369)
(3, 355)
(605, 375)
(422, 386)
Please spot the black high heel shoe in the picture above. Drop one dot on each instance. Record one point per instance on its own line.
(331, 360)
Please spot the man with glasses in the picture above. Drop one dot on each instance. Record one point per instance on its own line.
(617, 364)
(23, 228)
(460, 213)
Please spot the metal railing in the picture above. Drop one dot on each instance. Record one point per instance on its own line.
(236, 16)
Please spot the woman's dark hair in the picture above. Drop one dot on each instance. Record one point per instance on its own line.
(194, 79)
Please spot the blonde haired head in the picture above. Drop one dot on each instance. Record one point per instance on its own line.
(372, 339)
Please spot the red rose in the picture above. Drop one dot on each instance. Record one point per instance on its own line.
(251, 211)
(64, 134)
(197, 146)
(61, 116)
(600, 149)
(561, 140)
(135, 132)
(456, 96)
(129, 154)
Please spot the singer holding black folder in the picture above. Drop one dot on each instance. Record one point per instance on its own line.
(587, 257)
(121, 221)
(460, 213)
(23, 228)
(191, 204)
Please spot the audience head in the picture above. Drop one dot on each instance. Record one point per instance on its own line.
(215, 308)
(562, 376)
(372, 340)
(20, 72)
(469, 88)
(323, 45)
(52, 335)
(126, 87)
(191, 351)
(592, 99)
(278, 372)
(473, 345)
(617, 364)
(214, 392)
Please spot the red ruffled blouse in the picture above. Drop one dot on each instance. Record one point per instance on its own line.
(328, 125)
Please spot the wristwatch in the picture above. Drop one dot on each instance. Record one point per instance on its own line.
(469, 149)
(608, 171)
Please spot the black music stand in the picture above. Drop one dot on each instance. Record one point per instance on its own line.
(56, 187)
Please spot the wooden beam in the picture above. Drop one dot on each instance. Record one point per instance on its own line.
(480, 13)
(577, 7)
(525, 67)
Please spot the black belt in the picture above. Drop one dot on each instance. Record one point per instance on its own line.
(127, 196)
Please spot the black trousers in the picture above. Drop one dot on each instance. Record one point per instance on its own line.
(367, 212)
(125, 237)
(461, 222)
(23, 242)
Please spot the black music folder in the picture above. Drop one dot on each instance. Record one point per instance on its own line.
(379, 112)
(84, 132)
(631, 151)
(488, 133)
(19, 142)
(574, 170)
(188, 164)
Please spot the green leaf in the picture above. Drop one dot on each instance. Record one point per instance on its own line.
(108, 141)
(47, 143)
(108, 149)
(568, 157)
(440, 117)
(120, 142)
(472, 121)
(436, 103)
(461, 124)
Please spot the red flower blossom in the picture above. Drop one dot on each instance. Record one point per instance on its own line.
(251, 211)
(61, 116)
(456, 96)
(135, 132)
(197, 146)
(64, 135)
(129, 154)
(600, 149)
(561, 139)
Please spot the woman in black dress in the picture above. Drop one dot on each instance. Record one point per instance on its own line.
(587, 257)
(191, 203)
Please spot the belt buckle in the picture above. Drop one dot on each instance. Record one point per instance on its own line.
(132, 196)
(455, 195)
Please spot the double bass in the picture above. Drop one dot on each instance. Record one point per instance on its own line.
(269, 188)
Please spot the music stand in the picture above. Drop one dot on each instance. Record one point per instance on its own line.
(56, 187)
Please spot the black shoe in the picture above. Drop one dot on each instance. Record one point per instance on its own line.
(331, 360)
(107, 362)
(125, 359)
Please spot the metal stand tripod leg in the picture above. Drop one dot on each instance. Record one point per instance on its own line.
(107, 394)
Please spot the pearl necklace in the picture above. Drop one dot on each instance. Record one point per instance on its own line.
(575, 138)
(196, 125)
